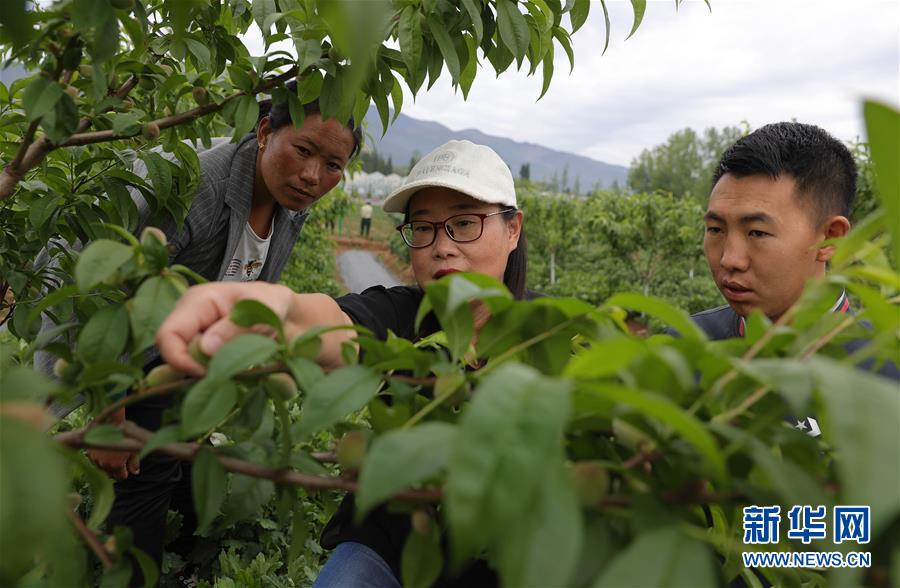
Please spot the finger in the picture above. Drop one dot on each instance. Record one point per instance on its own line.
(119, 473)
(194, 312)
(134, 464)
(218, 334)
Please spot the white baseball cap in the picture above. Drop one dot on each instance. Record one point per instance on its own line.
(474, 170)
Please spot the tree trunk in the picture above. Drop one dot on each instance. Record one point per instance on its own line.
(552, 267)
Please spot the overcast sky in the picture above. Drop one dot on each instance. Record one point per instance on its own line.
(758, 61)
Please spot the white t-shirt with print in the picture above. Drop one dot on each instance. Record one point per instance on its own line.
(249, 256)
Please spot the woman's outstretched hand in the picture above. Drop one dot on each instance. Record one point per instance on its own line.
(204, 310)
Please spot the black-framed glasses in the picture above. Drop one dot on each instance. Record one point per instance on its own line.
(462, 228)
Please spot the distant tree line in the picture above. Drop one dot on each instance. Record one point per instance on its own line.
(372, 161)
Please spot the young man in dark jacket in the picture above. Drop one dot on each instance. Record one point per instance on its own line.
(777, 194)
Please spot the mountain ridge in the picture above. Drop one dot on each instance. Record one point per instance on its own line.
(408, 135)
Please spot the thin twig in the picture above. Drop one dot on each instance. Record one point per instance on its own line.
(732, 374)
(175, 119)
(26, 143)
(640, 458)
(90, 539)
(808, 352)
(137, 437)
(526, 344)
(169, 387)
(821, 342)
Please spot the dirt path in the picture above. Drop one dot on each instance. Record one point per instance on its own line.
(360, 269)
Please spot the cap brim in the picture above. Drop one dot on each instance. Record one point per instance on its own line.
(397, 200)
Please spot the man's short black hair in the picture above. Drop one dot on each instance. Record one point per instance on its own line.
(822, 166)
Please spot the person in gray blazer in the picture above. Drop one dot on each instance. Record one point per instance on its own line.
(250, 206)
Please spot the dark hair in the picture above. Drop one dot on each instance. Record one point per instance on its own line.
(516, 264)
(822, 166)
(280, 115)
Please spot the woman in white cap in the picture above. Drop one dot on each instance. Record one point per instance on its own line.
(459, 204)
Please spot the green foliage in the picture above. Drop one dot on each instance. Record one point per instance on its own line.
(592, 248)
(684, 164)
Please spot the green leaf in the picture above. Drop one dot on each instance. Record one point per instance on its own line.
(467, 76)
(16, 24)
(397, 99)
(128, 123)
(862, 423)
(336, 395)
(475, 18)
(242, 352)
(786, 479)
(152, 303)
(106, 40)
(208, 487)
(445, 44)
(164, 436)
(605, 358)
(548, 72)
(261, 10)
(310, 87)
(160, 175)
(305, 371)
(662, 557)
(199, 51)
(100, 260)
(248, 313)
(410, 35)
(402, 458)
(245, 116)
(660, 309)
(42, 209)
(207, 404)
(639, 7)
(883, 131)
(422, 559)
(566, 43)
(381, 105)
(105, 334)
(246, 497)
(309, 51)
(24, 383)
(449, 298)
(791, 378)
(579, 13)
(670, 414)
(507, 434)
(513, 29)
(117, 576)
(542, 548)
(606, 20)
(41, 97)
(101, 488)
(33, 483)
(240, 78)
(149, 570)
(103, 435)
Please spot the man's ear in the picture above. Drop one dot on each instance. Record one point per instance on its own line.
(515, 229)
(834, 227)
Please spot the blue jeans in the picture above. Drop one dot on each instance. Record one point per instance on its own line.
(357, 566)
